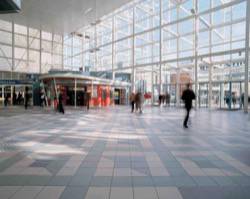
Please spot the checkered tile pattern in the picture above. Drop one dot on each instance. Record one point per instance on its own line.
(110, 153)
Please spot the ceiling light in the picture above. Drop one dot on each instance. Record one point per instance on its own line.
(96, 22)
(88, 11)
(192, 11)
(79, 34)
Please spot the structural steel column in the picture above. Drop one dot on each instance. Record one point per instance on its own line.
(178, 94)
(13, 49)
(72, 51)
(62, 51)
(3, 94)
(196, 51)
(152, 86)
(178, 87)
(40, 53)
(247, 56)
(113, 47)
(160, 53)
(133, 54)
(210, 86)
(75, 92)
(54, 79)
(52, 53)
(28, 48)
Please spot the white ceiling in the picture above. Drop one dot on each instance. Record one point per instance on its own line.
(62, 16)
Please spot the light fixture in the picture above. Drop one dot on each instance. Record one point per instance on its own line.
(77, 34)
(95, 22)
(193, 11)
(88, 11)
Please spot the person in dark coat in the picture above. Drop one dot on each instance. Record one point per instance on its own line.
(26, 102)
(187, 96)
(132, 102)
(60, 104)
(6, 99)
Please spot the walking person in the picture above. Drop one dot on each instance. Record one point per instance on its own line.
(19, 98)
(60, 104)
(167, 99)
(6, 99)
(26, 99)
(132, 101)
(187, 96)
(139, 101)
(42, 100)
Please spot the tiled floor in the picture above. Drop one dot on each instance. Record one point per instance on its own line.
(113, 154)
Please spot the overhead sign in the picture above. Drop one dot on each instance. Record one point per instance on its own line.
(14, 82)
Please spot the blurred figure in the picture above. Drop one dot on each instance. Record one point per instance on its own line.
(234, 99)
(163, 99)
(60, 104)
(26, 98)
(6, 99)
(228, 100)
(139, 101)
(242, 100)
(14, 100)
(19, 98)
(132, 101)
(160, 99)
(167, 99)
(187, 96)
(43, 102)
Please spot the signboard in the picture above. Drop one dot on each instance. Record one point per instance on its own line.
(14, 82)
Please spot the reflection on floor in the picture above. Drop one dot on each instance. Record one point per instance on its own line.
(111, 153)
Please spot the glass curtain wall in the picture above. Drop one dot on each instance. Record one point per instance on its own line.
(183, 38)
(28, 50)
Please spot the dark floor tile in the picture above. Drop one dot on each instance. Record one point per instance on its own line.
(74, 193)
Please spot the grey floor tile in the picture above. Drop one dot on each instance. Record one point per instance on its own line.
(74, 192)
(142, 181)
(27, 192)
(60, 181)
(8, 191)
(104, 181)
(204, 181)
(80, 181)
(121, 182)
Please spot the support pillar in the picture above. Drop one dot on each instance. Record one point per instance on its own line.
(160, 53)
(75, 92)
(210, 87)
(133, 55)
(152, 86)
(196, 26)
(3, 94)
(178, 88)
(55, 88)
(11, 94)
(13, 49)
(247, 57)
(40, 54)
(113, 48)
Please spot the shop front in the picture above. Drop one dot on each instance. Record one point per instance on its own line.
(79, 90)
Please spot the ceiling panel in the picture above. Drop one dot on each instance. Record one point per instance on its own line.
(62, 16)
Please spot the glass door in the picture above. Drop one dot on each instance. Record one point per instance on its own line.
(203, 95)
